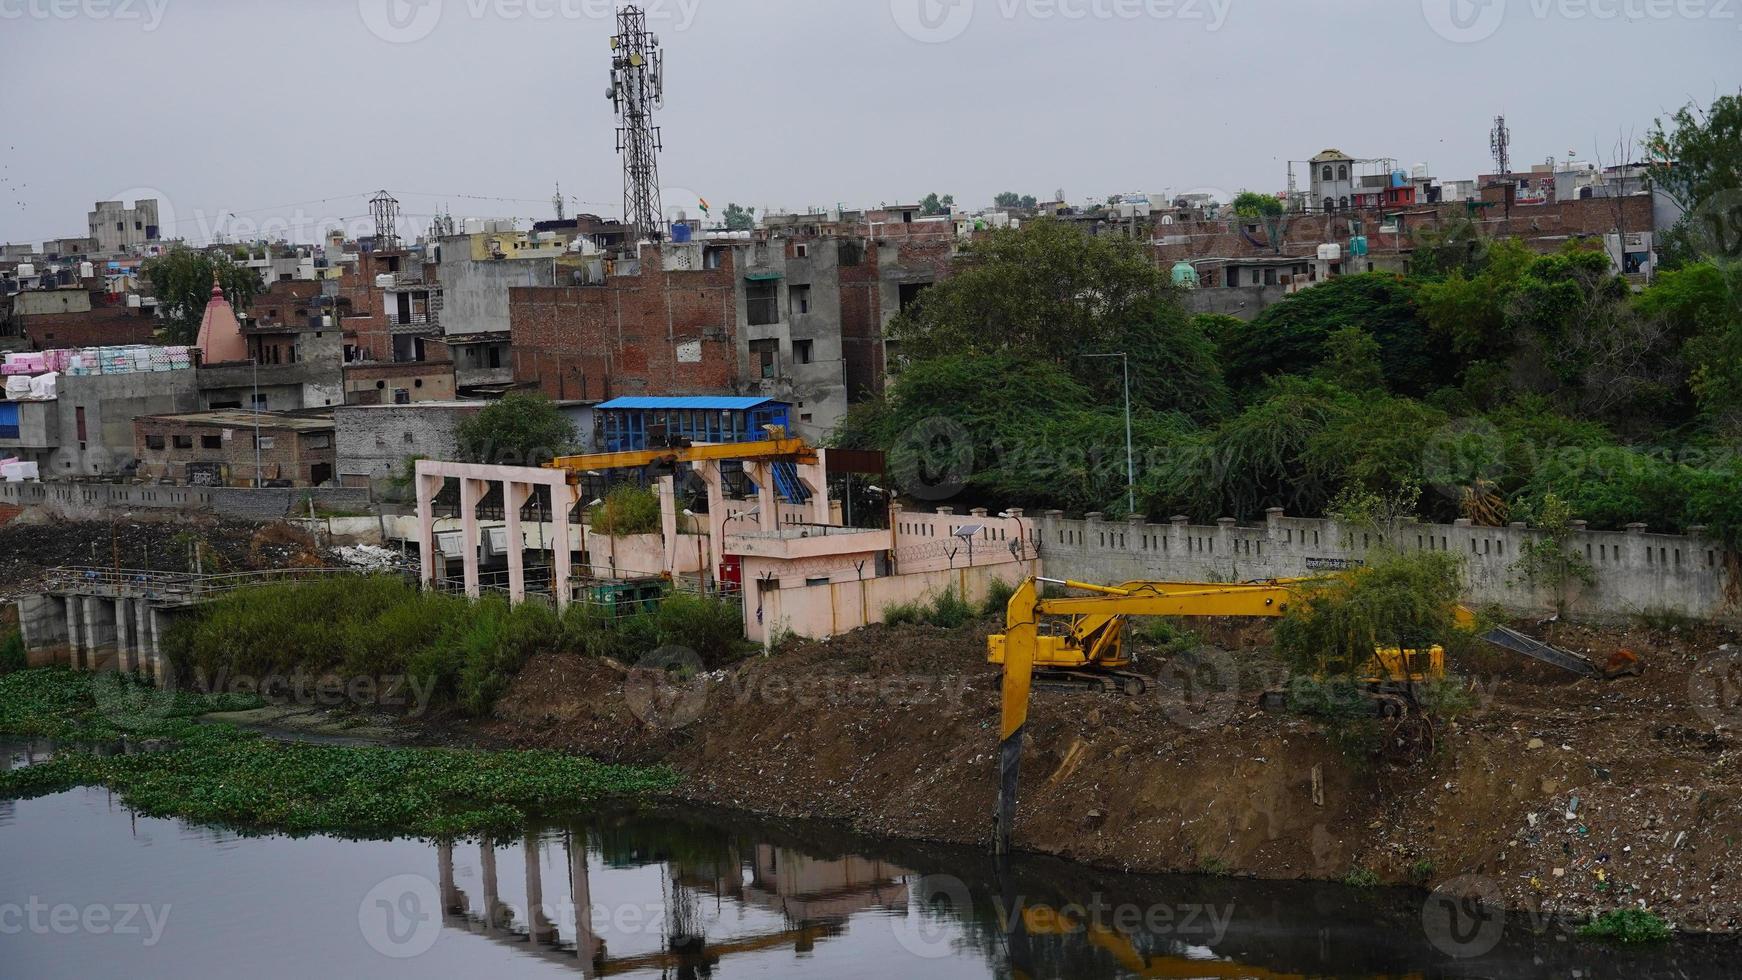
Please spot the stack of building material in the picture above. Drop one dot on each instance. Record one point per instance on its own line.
(15, 471)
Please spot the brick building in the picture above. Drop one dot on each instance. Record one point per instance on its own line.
(217, 448)
(797, 316)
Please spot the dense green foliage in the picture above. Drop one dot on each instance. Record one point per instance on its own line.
(1697, 159)
(1627, 926)
(519, 430)
(1490, 377)
(1404, 601)
(466, 653)
(216, 774)
(181, 279)
(946, 610)
(626, 509)
(1251, 204)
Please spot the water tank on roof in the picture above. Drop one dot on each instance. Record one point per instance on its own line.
(87, 270)
(1399, 178)
(1419, 172)
(1330, 253)
(680, 233)
(1358, 245)
(26, 269)
(1184, 274)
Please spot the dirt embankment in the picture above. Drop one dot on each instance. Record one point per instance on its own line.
(1568, 795)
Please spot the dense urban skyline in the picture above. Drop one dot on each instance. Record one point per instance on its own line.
(240, 118)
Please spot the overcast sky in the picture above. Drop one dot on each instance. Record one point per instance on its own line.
(288, 112)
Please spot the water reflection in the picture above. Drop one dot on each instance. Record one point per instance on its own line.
(681, 893)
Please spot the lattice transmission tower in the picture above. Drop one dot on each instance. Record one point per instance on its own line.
(637, 90)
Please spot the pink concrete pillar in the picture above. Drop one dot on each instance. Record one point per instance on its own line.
(581, 897)
(514, 497)
(710, 474)
(471, 491)
(428, 485)
(563, 499)
(766, 498)
(668, 521)
(815, 476)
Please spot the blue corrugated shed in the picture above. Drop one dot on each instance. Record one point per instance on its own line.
(686, 404)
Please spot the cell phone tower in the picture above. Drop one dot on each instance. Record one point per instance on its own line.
(1500, 142)
(385, 210)
(637, 90)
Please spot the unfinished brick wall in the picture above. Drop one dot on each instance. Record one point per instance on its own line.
(655, 333)
(101, 327)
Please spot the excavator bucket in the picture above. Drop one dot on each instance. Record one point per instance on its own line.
(1623, 663)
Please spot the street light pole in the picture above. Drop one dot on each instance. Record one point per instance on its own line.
(255, 362)
(1130, 443)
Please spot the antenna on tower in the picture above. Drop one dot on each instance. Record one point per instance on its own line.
(1500, 142)
(637, 89)
(386, 213)
(557, 201)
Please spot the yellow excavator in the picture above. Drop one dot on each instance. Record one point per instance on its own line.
(1084, 646)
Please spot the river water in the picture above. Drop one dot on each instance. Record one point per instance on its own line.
(88, 889)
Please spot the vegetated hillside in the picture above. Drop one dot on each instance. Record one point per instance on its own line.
(1571, 795)
(1488, 379)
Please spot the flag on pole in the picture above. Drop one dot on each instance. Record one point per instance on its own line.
(704, 205)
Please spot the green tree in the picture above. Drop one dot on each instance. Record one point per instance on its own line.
(1352, 360)
(1007, 199)
(1701, 303)
(1290, 337)
(1048, 290)
(519, 430)
(1550, 561)
(1251, 204)
(738, 218)
(1697, 159)
(933, 205)
(181, 279)
(1468, 308)
(1407, 601)
(1580, 341)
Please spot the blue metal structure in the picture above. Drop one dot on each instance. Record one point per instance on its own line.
(633, 424)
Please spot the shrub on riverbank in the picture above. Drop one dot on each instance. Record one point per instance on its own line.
(1627, 926)
(465, 652)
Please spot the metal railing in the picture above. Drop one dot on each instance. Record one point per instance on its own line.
(149, 583)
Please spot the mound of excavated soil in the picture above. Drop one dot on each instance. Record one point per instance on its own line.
(894, 730)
